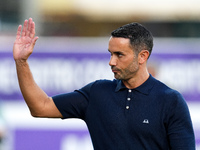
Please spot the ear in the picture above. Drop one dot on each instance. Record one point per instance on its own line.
(143, 56)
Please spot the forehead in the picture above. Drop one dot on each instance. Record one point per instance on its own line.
(119, 44)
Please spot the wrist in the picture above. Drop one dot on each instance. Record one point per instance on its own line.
(21, 62)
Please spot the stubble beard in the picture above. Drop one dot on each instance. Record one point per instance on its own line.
(127, 73)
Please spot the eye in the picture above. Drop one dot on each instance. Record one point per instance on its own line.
(119, 54)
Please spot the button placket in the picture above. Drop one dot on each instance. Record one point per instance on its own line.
(128, 99)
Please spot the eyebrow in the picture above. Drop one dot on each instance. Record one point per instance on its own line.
(115, 51)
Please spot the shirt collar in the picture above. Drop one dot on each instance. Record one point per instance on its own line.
(143, 88)
(120, 86)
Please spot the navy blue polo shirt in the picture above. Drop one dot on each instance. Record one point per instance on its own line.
(149, 117)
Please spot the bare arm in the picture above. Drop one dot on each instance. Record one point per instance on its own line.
(39, 103)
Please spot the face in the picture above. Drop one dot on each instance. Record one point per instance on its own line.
(123, 61)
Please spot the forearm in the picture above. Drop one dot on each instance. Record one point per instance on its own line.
(34, 96)
(39, 103)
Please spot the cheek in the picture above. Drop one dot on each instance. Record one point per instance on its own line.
(133, 66)
(129, 63)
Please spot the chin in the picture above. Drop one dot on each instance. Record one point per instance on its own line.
(118, 77)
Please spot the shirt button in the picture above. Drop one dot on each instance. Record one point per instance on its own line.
(128, 99)
(129, 91)
(127, 107)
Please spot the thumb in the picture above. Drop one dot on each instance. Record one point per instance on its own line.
(34, 40)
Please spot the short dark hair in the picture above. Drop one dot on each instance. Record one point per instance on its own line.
(140, 37)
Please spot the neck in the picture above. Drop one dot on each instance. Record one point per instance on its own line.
(137, 80)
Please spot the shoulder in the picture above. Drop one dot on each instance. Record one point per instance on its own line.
(163, 88)
(100, 84)
(98, 87)
(167, 93)
(105, 82)
(171, 100)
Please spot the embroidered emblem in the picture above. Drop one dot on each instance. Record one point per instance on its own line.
(146, 121)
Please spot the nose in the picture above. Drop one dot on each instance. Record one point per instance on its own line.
(113, 61)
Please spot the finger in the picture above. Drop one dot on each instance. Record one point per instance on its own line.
(29, 27)
(19, 32)
(24, 28)
(32, 30)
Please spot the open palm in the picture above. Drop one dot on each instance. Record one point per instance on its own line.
(25, 40)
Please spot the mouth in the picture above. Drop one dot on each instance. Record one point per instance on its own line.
(115, 70)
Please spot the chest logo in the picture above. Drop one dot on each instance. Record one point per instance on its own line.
(146, 121)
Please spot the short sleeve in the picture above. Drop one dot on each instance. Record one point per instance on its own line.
(180, 129)
(74, 104)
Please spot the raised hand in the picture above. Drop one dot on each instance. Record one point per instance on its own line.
(25, 41)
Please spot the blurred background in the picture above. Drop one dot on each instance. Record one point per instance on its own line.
(72, 51)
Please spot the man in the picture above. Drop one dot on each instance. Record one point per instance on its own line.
(133, 112)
